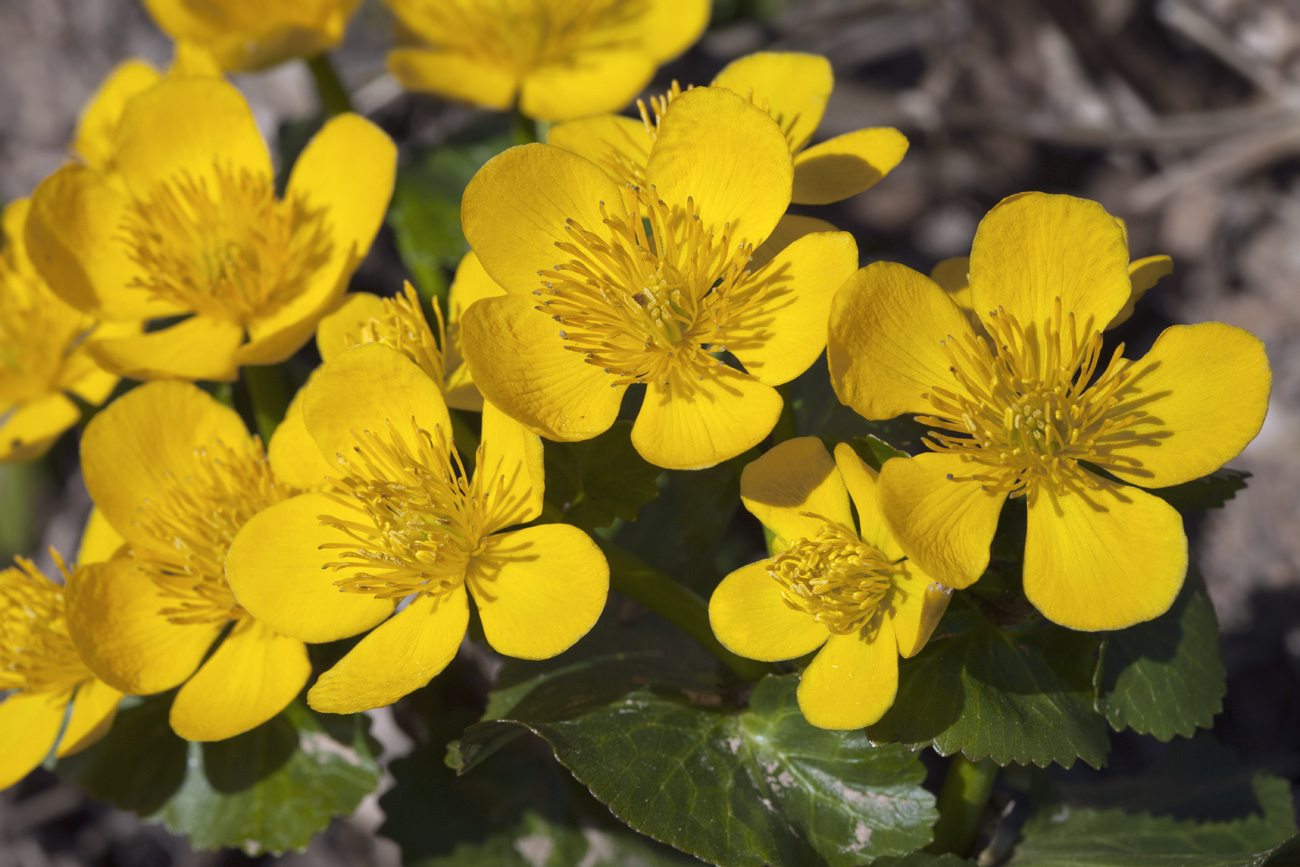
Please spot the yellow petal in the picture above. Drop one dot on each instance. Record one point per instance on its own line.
(661, 28)
(31, 428)
(131, 448)
(1103, 558)
(1033, 248)
(749, 616)
(846, 165)
(399, 657)
(885, 351)
(946, 526)
(340, 328)
(619, 145)
(253, 676)
(794, 489)
(953, 277)
(371, 387)
(197, 348)
(1200, 395)
(852, 681)
(790, 228)
(511, 456)
(543, 186)
(727, 155)
(916, 605)
(586, 82)
(538, 590)
(689, 425)
(863, 484)
(791, 86)
(93, 711)
(115, 620)
(519, 362)
(1143, 274)
(454, 76)
(99, 541)
(293, 453)
(779, 336)
(469, 285)
(279, 572)
(29, 723)
(97, 127)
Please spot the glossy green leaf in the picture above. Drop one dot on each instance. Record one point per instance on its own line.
(1208, 492)
(595, 481)
(874, 451)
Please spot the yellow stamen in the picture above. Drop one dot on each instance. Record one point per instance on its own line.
(36, 654)
(37, 333)
(833, 576)
(401, 324)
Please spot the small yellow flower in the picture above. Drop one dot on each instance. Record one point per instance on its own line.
(188, 225)
(846, 591)
(597, 301)
(793, 88)
(404, 519)
(564, 58)
(247, 35)
(1036, 410)
(176, 474)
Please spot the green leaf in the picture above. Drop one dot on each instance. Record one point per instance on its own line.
(595, 481)
(1165, 677)
(270, 789)
(1208, 492)
(1017, 692)
(874, 451)
(670, 754)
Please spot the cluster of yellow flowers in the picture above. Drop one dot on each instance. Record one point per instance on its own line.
(654, 252)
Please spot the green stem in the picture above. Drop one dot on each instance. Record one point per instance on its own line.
(334, 97)
(525, 128)
(268, 395)
(21, 488)
(965, 794)
(640, 581)
(784, 429)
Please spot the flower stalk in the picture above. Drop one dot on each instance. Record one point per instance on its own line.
(965, 794)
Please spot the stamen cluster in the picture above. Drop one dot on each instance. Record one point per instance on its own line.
(834, 577)
(36, 653)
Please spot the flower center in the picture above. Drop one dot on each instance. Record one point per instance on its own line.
(1027, 411)
(650, 297)
(36, 654)
(229, 250)
(195, 518)
(37, 333)
(401, 324)
(426, 519)
(834, 577)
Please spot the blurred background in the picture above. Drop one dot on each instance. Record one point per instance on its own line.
(1181, 116)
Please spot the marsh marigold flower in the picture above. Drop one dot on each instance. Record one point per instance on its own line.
(188, 227)
(830, 585)
(611, 285)
(403, 518)
(176, 474)
(563, 58)
(247, 35)
(793, 88)
(1036, 410)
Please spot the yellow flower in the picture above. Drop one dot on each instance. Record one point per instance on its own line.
(247, 35)
(564, 58)
(44, 352)
(39, 663)
(846, 591)
(403, 519)
(188, 226)
(97, 126)
(597, 301)
(1036, 410)
(176, 474)
(791, 87)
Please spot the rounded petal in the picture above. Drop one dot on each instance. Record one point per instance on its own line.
(368, 388)
(663, 28)
(97, 127)
(31, 428)
(749, 616)
(93, 710)
(280, 572)
(779, 335)
(587, 81)
(1033, 248)
(619, 145)
(253, 676)
(538, 590)
(863, 484)
(916, 605)
(514, 210)
(852, 681)
(454, 76)
(197, 348)
(469, 285)
(946, 526)
(519, 362)
(1143, 274)
(846, 165)
(131, 448)
(116, 622)
(275, 337)
(99, 541)
(396, 659)
(953, 277)
(689, 425)
(29, 723)
(789, 229)
(885, 343)
(790, 484)
(510, 456)
(1200, 395)
(293, 453)
(339, 329)
(1103, 558)
(726, 155)
(791, 86)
